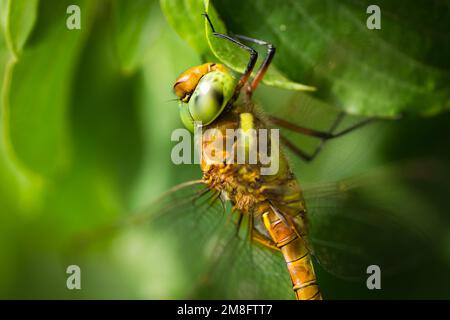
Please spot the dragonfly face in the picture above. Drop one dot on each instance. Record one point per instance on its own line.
(204, 91)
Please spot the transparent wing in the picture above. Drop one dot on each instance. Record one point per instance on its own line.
(366, 221)
(377, 218)
(353, 225)
(244, 270)
(213, 260)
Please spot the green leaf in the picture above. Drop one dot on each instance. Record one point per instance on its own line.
(134, 30)
(186, 19)
(401, 69)
(21, 188)
(104, 118)
(18, 19)
(40, 88)
(237, 58)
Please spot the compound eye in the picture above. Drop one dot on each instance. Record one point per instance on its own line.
(181, 88)
(188, 80)
(208, 101)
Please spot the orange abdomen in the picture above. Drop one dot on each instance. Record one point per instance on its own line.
(296, 255)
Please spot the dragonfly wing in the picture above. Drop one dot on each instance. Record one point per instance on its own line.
(366, 221)
(246, 270)
(214, 260)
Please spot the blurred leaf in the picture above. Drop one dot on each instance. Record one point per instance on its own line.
(104, 118)
(7, 186)
(21, 188)
(186, 19)
(40, 88)
(18, 18)
(402, 68)
(134, 30)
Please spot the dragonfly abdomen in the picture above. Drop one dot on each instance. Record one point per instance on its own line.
(296, 255)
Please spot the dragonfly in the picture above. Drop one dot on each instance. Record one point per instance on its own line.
(247, 235)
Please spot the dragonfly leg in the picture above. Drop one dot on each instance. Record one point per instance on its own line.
(258, 237)
(320, 134)
(324, 136)
(251, 63)
(265, 64)
(250, 227)
(239, 222)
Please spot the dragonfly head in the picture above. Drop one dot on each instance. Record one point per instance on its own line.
(204, 91)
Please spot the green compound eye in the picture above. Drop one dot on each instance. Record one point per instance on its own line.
(186, 117)
(210, 97)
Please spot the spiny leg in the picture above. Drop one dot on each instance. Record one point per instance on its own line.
(296, 150)
(257, 237)
(254, 235)
(250, 227)
(199, 195)
(265, 64)
(251, 63)
(239, 223)
(320, 134)
(324, 136)
(333, 127)
(205, 205)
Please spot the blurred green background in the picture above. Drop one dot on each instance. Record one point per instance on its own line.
(86, 123)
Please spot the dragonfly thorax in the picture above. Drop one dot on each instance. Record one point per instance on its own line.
(245, 185)
(241, 184)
